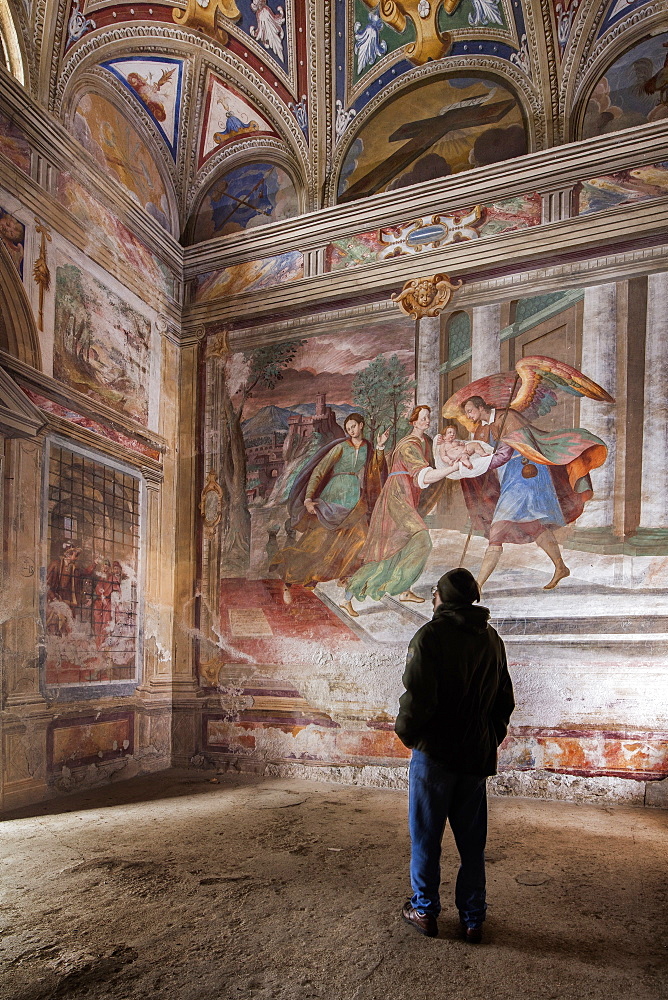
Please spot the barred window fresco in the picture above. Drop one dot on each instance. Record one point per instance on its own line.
(93, 539)
(459, 335)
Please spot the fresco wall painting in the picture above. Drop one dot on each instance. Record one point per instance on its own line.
(463, 122)
(12, 235)
(104, 229)
(101, 737)
(121, 152)
(92, 619)
(13, 144)
(102, 343)
(342, 544)
(633, 91)
(243, 198)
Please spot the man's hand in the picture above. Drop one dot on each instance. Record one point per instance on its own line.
(310, 506)
(382, 439)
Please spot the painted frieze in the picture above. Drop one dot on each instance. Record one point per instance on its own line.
(251, 276)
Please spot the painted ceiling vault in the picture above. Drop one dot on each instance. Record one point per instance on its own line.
(217, 116)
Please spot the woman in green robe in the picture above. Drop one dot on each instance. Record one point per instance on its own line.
(333, 514)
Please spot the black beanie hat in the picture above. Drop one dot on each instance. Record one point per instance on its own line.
(458, 586)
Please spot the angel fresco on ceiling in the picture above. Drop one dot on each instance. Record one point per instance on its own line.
(530, 481)
(418, 31)
(156, 83)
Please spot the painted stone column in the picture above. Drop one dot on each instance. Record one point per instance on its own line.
(599, 362)
(652, 535)
(427, 364)
(485, 342)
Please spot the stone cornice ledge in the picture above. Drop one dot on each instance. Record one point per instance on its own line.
(50, 139)
(70, 398)
(547, 170)
(617, 229)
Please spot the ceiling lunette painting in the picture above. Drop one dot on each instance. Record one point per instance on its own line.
(601, 32)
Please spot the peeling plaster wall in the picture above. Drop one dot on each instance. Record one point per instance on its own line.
(86, 650)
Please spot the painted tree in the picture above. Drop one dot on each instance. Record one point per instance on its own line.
(262, 368)
(400, 394)
(383, 391)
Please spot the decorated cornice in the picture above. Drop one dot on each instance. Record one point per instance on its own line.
(70, 398)
(543, 171)
(624, 227)
(505, 288)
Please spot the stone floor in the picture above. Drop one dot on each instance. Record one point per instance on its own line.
(195, 887)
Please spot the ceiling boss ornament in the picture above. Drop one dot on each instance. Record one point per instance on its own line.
(430, 41)
(422, 297)
(207, 16)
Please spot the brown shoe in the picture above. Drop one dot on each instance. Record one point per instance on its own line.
(425, 923)
(472, 935)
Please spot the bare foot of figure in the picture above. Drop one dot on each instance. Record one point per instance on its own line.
(560, 573)
(408, 595)
(348, 606)
(287, 596)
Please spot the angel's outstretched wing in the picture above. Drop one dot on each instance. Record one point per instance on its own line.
(542, 378)
(534, 387)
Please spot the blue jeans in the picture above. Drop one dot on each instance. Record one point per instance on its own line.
(434, 796)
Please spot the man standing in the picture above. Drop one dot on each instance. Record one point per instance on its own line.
(453, 716)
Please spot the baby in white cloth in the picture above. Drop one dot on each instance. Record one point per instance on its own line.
(452, 449)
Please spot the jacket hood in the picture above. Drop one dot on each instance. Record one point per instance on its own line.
(465, 615)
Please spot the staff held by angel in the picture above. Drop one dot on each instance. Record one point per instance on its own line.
(525, 482)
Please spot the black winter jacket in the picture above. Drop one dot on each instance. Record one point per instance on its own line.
(459, 695)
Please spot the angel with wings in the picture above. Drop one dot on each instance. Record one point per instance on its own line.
(531, 481)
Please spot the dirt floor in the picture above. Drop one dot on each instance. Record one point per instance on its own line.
(179, 887)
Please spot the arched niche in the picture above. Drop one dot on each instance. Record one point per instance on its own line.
(250, 193)
(121, 151)
(18, 330)
(433, 128)
(633, 90)
(11, 55)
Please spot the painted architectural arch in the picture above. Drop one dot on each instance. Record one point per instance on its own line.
(245, 197)
(632, 91)
(121, 152)
(432, 129)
